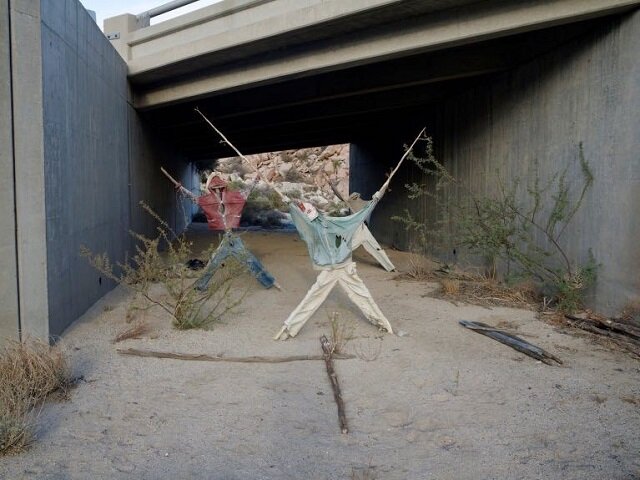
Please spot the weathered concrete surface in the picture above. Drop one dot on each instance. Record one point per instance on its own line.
(81, 165)
(148, 152)
(9, 324)
(29, 170)
(587, 91)
(86, 156)
(98, 163)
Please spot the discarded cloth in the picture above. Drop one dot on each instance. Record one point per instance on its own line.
(346, 276)
(223, 202)
(330, 239)
(232, 246)
(365, 238)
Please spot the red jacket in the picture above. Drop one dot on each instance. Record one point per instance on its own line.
(220, 201)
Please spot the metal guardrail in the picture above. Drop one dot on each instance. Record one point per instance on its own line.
(144, 17)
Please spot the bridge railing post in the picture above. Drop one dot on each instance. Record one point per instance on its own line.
(117, 30)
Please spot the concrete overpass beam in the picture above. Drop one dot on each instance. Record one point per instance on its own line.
(445, 29)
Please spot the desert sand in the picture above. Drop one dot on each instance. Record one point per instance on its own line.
(440, 402)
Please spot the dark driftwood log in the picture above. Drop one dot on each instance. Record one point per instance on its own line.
(201, 357)
(333, 378)
(512, 341)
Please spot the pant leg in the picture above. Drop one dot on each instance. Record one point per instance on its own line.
(316, 295)
(244, 256)
(219, 256)
(359, 294)
(365, 238)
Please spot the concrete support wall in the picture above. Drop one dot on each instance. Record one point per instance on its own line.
(86, 156)
(148, 153)
(75, 160)
(25, 279)
(586, 91)
(100, 160)
(8, 268)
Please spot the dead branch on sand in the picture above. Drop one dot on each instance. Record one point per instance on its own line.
(333, 378)
(202, 357)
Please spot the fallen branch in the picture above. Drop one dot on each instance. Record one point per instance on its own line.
(621, 337)
(333, 378)
(202, 357)
(512, 341)
(604, 326)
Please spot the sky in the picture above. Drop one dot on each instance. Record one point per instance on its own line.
(111, 8)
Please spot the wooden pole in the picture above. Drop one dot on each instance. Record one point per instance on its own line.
(202, 357)
(178, 184)
(386, 184)
(226, 140)
(333, 378)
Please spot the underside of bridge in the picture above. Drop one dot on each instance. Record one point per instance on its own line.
(343, 106)
(91, 130)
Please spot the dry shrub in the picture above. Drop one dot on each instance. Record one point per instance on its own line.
(486, 291)
(134, 331)
(187, 306)
(16, 431)
(341, 333)
(419, 268)
(450, 286)
(30, 371)
(631, 312)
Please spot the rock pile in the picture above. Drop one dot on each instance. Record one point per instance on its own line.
(303, 173)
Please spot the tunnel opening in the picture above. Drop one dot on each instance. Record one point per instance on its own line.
(318, 175)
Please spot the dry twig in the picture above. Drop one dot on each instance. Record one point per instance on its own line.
(333, 378)
(134, 331)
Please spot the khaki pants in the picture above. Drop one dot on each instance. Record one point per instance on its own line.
(346, 276)
(364, 237)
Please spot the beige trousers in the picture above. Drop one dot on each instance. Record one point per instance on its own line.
(346, 276)
(363, 237)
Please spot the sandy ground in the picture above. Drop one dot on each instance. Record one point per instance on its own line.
(440, 403)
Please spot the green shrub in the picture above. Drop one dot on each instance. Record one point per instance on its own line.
(505, 227)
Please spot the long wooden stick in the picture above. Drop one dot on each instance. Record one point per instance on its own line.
(203, 357)
(178, 184)
(228, 142)
(333, 378)
(386, 184)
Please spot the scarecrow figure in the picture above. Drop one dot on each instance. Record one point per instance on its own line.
(330, 241)
(223, 209)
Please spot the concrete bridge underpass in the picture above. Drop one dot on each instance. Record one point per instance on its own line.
(499, 85)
